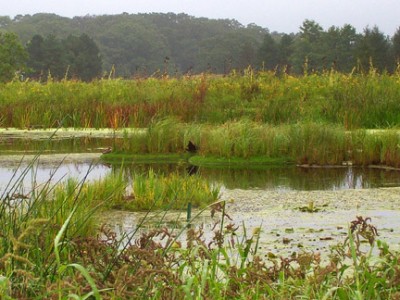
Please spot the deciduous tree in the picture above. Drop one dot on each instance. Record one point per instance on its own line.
(12, 56)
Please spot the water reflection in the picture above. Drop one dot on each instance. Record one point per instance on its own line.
(54, 145)
(294, 178)
(25, 178)
(287, 178)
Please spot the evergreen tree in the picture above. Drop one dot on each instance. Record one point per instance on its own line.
(374, 48)
(396, 46)
(55, 60)
(285, 50)
(268, 53)
(83, 57)
(338, 47)
(36, 61)
(76, 57)
(308, 52)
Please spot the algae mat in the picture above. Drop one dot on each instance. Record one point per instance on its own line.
(284, 228)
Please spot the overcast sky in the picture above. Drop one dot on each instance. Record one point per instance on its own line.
(276, 15)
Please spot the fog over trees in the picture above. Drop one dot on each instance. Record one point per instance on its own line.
(146, 44)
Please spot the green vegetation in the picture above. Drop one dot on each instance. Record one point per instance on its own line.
(158, 44)
(73, 57)
(347, 100)
(173, 191)
(48, 247)
(48, 251)
(235, 162)
(250, 144)
(44, 232)
(12, 56)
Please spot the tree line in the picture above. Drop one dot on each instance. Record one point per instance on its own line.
(75, 57)
(147, 44)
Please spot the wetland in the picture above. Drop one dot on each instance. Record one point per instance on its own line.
(251, 186)
(270, 198)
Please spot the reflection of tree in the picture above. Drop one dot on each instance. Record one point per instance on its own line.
(302, 178)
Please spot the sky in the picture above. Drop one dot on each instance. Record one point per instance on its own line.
(276, 15)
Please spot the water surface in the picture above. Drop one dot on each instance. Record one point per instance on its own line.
(268, 198)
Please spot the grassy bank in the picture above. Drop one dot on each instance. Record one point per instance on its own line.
(250, 143)
(348, 100)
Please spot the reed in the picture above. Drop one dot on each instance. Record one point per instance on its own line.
(165, 192)
(246, 142)
(348, 100)
(377, 148)
(318, 144)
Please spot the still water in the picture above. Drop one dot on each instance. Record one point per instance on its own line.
(84, 165)
(77, 156)
(267, 198)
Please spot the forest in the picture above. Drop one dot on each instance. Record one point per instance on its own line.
(128, 45)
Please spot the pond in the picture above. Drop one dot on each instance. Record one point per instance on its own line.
(77, 165)
(70, 153)
(269, 198)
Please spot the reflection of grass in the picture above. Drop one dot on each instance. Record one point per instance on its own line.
(125, 158)
(236, 162)
(25, 144)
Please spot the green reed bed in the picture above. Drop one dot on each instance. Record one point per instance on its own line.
(172, 191)
(251, 143)
(350, 100)
(107, 103)
(380, 147)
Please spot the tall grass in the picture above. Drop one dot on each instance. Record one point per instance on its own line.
(304, 143)
(350, 100)
(173, 191)
(379, 148)
(43, 230)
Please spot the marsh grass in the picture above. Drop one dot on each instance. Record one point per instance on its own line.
(363, 100)
(318, 144)
(240, 142)
(379, 148)
(153, 191)
(229, 266)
